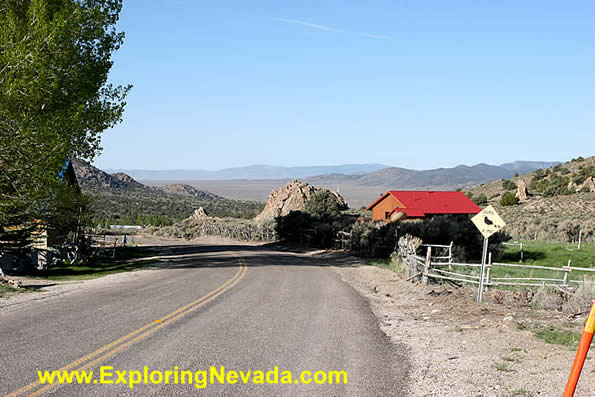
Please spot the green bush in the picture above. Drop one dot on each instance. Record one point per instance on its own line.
(293, 226)
(459, 229)
(480, 200)
(372, 241)
(324, 205)
(306, 230)
(583, 174)
(508, 184)
(556, 185)
(509, 199)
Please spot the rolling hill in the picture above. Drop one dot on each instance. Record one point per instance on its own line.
(559, 204)
(120, 199)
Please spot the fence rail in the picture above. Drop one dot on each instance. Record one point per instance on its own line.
(429, 268)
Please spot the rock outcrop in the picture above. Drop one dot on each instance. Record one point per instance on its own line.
(291, 197)
(92, 178)
(522, 192)
(589, 184)
(188, 190)
(199, 214)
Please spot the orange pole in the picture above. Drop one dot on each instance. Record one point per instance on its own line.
(581, 354)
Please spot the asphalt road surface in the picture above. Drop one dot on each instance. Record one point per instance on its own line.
(246, 308)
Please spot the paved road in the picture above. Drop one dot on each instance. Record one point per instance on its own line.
(242, 307)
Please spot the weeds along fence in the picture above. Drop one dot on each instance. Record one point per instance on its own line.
(245, 232)
(231, 229)
(498, 274)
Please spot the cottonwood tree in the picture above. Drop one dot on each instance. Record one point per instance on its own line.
(55, 101)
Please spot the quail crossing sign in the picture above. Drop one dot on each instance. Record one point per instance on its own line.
(488, 221)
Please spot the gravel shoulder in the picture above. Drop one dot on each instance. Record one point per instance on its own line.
(458, 347)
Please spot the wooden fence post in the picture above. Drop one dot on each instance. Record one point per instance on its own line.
(522, 252)
(427, 265)
(450, 256)
(566, 271)
(580, 235)
(488, 272)
(412, 265)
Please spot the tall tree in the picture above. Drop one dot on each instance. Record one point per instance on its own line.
(55, 100)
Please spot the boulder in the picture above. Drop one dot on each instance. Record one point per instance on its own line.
(291, 197)
(199, 214)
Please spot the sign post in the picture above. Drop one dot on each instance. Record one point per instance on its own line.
(487, 222)
(484, 255)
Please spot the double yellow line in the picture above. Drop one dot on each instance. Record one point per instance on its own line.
(116, 346)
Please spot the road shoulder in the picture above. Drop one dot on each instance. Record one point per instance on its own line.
(458, 347)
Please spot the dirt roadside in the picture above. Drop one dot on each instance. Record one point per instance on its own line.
(461, 348)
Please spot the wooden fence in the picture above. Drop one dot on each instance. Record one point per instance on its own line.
(239, 231)
(428, 268)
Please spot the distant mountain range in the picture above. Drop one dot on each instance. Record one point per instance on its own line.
(459, 176)
(250, 172)
(359, 174)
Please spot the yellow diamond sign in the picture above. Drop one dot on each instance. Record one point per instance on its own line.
(488, 221)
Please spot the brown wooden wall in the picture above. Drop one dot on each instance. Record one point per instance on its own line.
(387, 205)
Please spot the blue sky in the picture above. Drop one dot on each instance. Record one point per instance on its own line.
(416, 84)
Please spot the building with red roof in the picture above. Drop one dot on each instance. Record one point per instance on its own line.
(397, 205)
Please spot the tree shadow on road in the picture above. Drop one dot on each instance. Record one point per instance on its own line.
(225, 255)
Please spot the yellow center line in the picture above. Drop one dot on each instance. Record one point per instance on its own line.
(155, 326)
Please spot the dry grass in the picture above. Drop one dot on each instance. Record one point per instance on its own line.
(581, 300)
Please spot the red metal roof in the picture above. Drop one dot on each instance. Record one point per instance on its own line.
(431, 202)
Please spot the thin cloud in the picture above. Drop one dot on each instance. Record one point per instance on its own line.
(307, 24)
(328, 28)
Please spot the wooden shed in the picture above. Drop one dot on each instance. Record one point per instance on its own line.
(397, 205)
